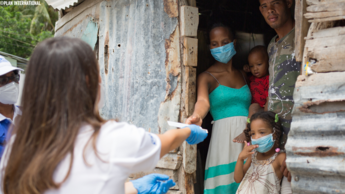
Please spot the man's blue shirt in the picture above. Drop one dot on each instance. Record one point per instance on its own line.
(4, 127)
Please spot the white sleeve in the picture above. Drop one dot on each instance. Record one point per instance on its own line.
(148, 153)
(136, 150)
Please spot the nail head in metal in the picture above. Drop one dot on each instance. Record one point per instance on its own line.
(296, 178)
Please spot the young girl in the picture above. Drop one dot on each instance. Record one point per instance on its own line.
(261, 172)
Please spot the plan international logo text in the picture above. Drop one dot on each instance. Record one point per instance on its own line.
(7, 3)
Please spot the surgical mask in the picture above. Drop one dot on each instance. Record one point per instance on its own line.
(224, 53)
(102, 97)
(265, 143)
(9, 93)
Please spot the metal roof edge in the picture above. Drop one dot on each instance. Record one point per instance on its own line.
(19, 59)
(61, 4)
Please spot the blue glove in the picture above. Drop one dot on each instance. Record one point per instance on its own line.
(197, 134)
(153, 183)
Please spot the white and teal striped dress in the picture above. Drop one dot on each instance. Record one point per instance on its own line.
(229, 109)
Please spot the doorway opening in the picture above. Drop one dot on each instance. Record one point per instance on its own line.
(250, 29)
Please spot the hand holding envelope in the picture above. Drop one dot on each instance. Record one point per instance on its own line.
(197, 135)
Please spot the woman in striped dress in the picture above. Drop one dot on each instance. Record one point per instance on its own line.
(224, 92)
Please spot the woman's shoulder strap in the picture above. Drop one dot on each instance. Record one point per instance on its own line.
(213, 76)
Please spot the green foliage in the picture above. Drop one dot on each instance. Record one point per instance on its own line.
(43, 15)
(23, 27)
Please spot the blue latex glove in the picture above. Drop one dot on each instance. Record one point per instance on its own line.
(197, 134)
(153, 183)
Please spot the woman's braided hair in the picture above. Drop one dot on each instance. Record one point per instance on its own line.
(269, 118)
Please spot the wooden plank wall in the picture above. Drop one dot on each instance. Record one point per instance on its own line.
(325, 44)
(301, 28)
(319, 100)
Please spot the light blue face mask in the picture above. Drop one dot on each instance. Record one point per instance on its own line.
(265, 143)
(224, 53)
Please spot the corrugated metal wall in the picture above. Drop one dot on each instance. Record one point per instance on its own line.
(138, 75)
(139, 57)
(316, 146)
(316, 142)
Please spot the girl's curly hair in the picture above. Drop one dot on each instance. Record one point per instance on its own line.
(269, 118)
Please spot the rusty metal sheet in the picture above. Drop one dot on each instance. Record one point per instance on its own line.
(78, 29)
(316, 146)
(139, 60)
(86, 29)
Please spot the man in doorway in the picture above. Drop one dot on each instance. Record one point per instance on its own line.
(283, 67)
(9, 91)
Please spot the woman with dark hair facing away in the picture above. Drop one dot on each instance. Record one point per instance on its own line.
(223, 91)
(62, 145)
(261, 171)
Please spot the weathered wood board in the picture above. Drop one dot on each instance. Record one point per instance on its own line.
(327, 47)
(170, 161)
(301, 29)
(188, 98)
(188, 101)
(329, 66)
(330, 32)
(316, 2)
(190, 51)
(171, 7)
(327, 53)
(321, 10)
(327, 19)
(327, 7)
(318, 15)
(189, 20)
(326, 42)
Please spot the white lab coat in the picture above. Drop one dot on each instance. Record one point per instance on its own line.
(124, 149)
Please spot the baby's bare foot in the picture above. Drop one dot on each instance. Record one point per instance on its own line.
(240, 139)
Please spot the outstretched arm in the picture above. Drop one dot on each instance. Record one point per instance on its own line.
(202, 105)
(129, 188)
(172, 139)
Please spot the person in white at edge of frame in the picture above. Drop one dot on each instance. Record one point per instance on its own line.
(9, 91)
(116, 149)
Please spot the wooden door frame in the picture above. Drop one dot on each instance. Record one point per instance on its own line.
(188, 21)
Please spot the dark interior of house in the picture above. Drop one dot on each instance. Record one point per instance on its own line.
(250, 29)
